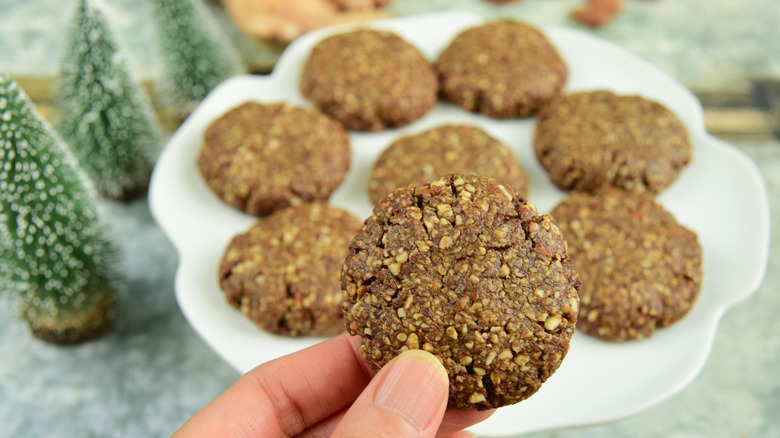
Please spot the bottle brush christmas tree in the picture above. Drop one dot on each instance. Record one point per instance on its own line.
(103, 115)
(195, 53)
(53, 246)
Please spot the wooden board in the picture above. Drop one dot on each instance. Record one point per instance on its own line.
(40, 90)
(752, 115)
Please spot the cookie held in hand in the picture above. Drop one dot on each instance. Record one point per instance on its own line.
(468, 270)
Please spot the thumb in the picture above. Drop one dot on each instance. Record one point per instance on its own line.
(406, 399)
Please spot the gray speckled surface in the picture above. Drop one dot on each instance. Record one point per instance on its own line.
(153, 372)
(144, 379)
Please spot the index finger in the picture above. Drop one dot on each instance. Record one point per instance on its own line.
(285, 396)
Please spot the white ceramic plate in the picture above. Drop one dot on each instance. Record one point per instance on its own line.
(720, 195)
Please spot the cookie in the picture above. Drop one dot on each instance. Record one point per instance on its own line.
(466, 269)
(593, 139)
(369, 80)
(263, 157)
(502, 69)
(640, 269)
(447, 149)
(283, 273)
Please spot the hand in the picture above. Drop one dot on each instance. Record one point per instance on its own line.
(327, 390)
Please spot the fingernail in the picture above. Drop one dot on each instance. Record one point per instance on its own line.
(414, 387)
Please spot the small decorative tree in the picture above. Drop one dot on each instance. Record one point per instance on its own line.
(103, 115)
(53, 247)
(196, 55)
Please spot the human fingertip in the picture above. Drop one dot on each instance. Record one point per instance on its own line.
(414, 388)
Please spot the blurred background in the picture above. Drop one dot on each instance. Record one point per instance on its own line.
(153, 372)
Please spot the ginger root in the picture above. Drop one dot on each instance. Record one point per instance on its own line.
(284, 21)
(597, 13)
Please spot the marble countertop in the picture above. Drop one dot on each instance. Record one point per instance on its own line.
(153, 372)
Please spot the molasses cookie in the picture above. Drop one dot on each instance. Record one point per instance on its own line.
(447, 149)
(283, 273)
(466, 269)
(369, 80)
(640, 269)
(593, 139)
(503, 69)
(263, 157)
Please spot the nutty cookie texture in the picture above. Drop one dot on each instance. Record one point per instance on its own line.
(262, 157)
(640, 269)
(502, 69)
(440, 151)
(466, 269)
(593, 139)
(283, 273)
(369, 80)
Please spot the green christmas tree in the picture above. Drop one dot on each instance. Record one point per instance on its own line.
(103, 115)
(195, 53)
(53, 246)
